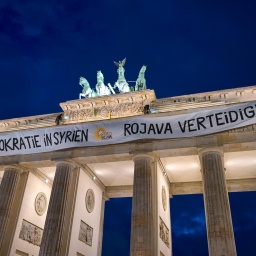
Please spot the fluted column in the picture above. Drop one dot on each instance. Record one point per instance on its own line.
(55, 220)
(221, 241)
(144, 225)
(7, 192)
(104, 199)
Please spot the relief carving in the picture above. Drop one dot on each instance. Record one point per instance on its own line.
(31, 233)
(89, 200)
(85, 233)
(40, 203)
(86, 113)
(161, 254)
(81, 114)
(119, 110)
(73, 116)
(164, 232)
(164, 202)
(103, 112)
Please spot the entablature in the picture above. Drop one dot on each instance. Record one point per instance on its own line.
(125, 105)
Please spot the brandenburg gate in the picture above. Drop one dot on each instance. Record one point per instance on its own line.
(57, 170)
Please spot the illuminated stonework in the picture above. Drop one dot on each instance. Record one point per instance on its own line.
(31, 233)
(164, 232)
(85, 233)
(106, 107)
(162, 166)
(90, 200)
(164, 198)
(40, 203)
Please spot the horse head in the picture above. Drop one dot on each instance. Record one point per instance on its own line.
(143, 69)
(84, 83)
(100, 77)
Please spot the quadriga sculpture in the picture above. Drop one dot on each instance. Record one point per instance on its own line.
(87, 92)
(141, 81)
(121, 82)
(101, 88)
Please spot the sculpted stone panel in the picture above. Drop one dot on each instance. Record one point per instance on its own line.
(31, 233)
(81, 114)
(85, 233)
(119, 110)
(164, 202)
(126, 109)
(40, 203)
(89, 200)
(164, 232)
(161, 254)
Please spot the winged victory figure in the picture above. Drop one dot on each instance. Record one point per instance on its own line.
(120, 63)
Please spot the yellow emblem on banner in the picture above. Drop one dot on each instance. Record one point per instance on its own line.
(101, 133)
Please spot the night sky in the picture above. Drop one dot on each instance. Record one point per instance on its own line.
(188, 47)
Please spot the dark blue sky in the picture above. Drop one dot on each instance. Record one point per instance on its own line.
(188, 47)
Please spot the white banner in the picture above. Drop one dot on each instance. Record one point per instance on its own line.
(129, 129)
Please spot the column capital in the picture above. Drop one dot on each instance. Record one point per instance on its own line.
(104, 197)
(149, 155)
(70, 163)
(15, 167)
(216, 150)
(170, 192)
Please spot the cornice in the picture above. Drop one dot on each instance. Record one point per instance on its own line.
(130, 104)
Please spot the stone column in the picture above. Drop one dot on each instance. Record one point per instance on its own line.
(104, 199)
(55, 220)
(144, 221)
(7, 192)
(221, 241)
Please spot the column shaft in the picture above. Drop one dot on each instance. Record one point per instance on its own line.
(143, 228)
(7, 192)
(220, 233)
(55, 220)
(101, 225)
